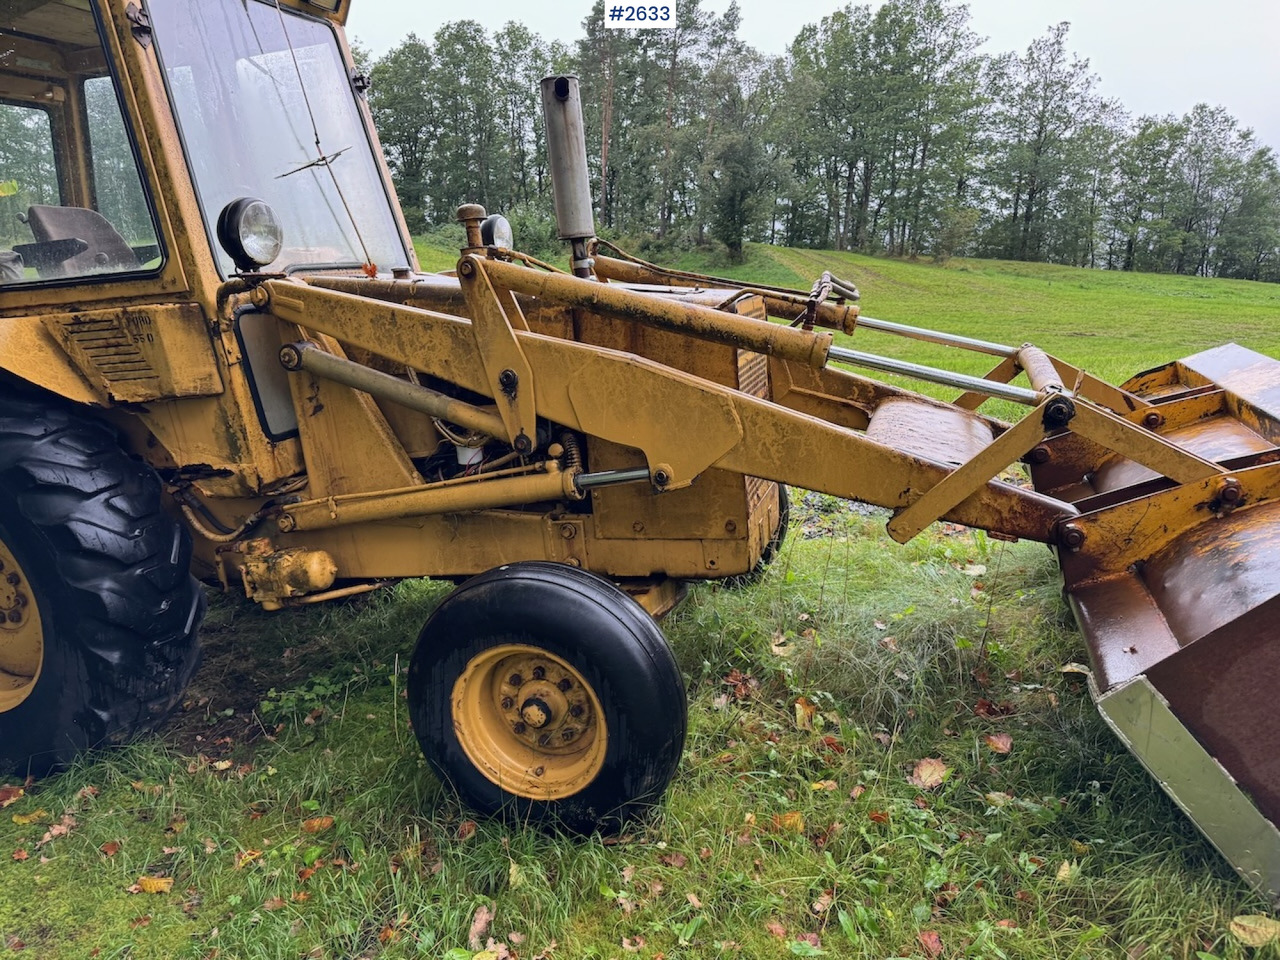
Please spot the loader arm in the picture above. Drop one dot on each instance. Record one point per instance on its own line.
(684, 425)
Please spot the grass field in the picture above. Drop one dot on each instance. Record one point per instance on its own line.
(286, 812)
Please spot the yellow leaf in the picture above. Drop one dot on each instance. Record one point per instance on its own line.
(792, 822)
(1067, 871)
(149, 884)
(221, 765)
(929, 773)
(25, 819)
(8, 188)
(825, 785)
(804, 714)
(1080, 849)
(317, 824)
(1254, 929)
(515, 876)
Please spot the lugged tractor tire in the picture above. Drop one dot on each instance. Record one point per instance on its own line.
(542, 651)
(98, 608)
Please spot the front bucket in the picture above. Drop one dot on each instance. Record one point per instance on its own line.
(1178, 597)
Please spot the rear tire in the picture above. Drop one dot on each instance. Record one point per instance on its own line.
(100, 608)
(540, 651)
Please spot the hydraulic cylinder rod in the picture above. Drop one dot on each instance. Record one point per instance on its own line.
(946, 378)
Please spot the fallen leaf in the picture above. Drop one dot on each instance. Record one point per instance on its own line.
(743, 685)
(822, 904)
(137, 922)
(1067, 871)
(21, 855)
(1254, 929)
(825, 785)
(997, 798)
(275, 903)
(221, 765)
(1080, 849)
(1007, 924)
(246, 856)
(26, 819)
(999, 742)
(87, 793)
(317, 824)
(633, 944)
(10, 795)
(857, 791)
(480, 921)
(515, 876)
(804, 713)
(300, 896)
(930, 943)
(878, 816)
(776, 929)
(693, 900)
(177, 823)
(985, 708)
(929, 773)
(791, 822)
(466, 829)
(150, 884)
(154, 789)
(110, 848)
(14, 943)
(674, 859)
(831, 743)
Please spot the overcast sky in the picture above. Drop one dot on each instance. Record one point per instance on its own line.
(1154, 56)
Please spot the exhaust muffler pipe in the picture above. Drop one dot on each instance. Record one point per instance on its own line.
(567, 153)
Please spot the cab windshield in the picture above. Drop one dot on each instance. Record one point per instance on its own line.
(267, 110)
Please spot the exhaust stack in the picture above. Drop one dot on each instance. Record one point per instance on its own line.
(567, 151)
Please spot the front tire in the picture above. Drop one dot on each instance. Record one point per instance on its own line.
(544, 693)
(99, 607)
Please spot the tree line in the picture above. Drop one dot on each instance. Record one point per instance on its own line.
(881, 130)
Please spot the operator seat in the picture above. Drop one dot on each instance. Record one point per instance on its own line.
(107, 250)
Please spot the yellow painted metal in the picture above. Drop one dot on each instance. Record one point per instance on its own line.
(510, 378)
(1142, 446)
(348, 444)
(21, 633)
(529, 721)
(969, 476)
(483, 492)
(704, 323)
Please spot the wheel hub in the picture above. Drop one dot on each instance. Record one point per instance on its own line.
(529, 721)
(21, 633)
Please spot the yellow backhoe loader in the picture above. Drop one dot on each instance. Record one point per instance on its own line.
(219, 362)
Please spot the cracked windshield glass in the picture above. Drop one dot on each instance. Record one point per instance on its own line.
(267, 110)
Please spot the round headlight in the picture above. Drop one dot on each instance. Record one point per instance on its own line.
(250, 233)
(495, 231)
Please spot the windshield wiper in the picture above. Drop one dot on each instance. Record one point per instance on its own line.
(321, 161)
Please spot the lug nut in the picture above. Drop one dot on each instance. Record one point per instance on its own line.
(539, 673)
(515, 679)
(537, 771)
(15, 616)
(544, 740)
(1153, 420)
(566, 735)
(13, 579)
(518, 727)
(507, 703)
(564, 685)
(1229, 491)
(576, 710)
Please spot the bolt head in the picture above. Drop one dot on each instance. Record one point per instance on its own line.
(566, 735)
(544, 740)
(15, 616)
(507, 703)
(515, 679)
(539, 673)
(13, 579)
(576, 710)
(518, 727)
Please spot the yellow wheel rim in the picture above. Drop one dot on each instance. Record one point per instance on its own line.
(21, 634)
(529, 722)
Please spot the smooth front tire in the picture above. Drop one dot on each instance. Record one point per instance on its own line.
(99, 607)
(544, 693)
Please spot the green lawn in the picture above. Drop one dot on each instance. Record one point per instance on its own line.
(802, 822)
